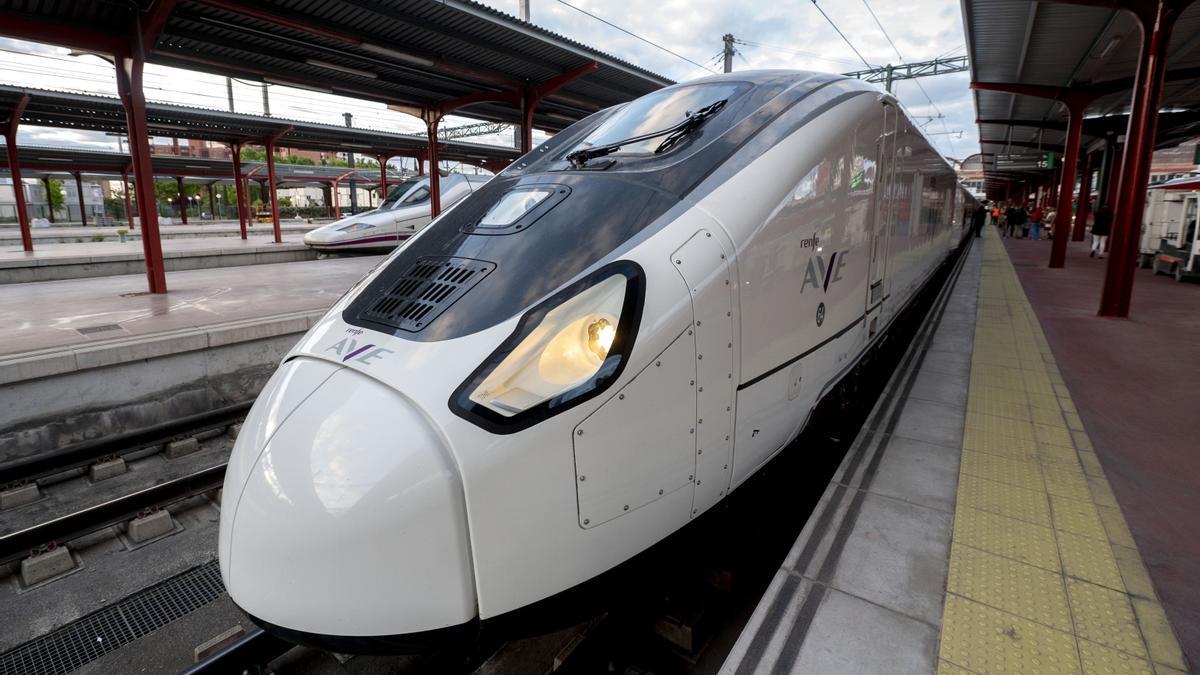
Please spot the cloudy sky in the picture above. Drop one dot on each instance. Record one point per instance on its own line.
(782, 33)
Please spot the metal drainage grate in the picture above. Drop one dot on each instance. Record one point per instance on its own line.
(88, 330)
(108, 629)
(419, 295)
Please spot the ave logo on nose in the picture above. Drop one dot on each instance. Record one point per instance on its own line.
(348, 348)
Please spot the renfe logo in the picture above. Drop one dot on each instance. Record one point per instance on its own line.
(348, 348)
(820, 274)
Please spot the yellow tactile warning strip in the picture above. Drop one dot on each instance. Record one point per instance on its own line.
(1044, 574)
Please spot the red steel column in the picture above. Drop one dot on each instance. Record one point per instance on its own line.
(1135, 161)
(420, 164)
(530, 101)
(382, 179)
(337, 204)
(271, 186)
(237, 188)
(129, 87)
(1084, 205)
(1066, 189)
(435, 182)
(82, 205)
(128, 203)
(14, 170)
(183, 199)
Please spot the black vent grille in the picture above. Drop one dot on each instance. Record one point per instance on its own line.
(99, 633)
(419, 295)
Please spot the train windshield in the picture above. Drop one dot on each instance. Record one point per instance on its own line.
(396, 194)
(660, 110)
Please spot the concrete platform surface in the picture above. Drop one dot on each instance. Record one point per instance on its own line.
(1136, 382)
(95, 251)
(69, 232)
(58, 315)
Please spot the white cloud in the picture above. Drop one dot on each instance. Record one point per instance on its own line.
(786, 34)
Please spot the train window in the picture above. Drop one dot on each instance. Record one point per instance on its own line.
(397, 192)
(418, 195)
(658, 111)
(512, 206)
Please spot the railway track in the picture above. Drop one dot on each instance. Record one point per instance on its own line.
(33, 538)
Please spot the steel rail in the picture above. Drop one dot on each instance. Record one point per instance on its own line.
(19, 544)
(88, 452)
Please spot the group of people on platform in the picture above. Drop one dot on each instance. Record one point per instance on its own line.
(1017, 222)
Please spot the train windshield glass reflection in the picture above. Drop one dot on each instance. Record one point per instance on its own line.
(397, 192)
(654, 112)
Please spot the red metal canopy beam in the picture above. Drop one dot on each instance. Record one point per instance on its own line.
(1157, 21)
(236, 150)
(534, 95)
(14, 169)
(129, 88)
(1076, 101)
(270, 147)
(24, 27)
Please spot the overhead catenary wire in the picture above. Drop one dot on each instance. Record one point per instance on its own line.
(839, 32)
(797, 52)
(940, 117)
(635, 35)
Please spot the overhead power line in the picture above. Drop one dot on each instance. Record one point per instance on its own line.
(635, 35)
(839, 32)
(896, 49)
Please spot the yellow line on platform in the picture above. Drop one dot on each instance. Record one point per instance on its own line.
(1044, 574)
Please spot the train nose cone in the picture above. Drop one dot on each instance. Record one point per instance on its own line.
(351, 519)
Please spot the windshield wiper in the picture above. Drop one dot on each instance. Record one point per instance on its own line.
(674, 134)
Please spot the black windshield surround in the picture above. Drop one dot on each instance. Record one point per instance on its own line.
(601, 213)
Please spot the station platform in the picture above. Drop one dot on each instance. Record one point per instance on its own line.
(88, 357)
(52, 262)
(1000, 509)
(68, 233)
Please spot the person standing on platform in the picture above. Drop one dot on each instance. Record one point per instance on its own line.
(1010, 222)
(1035, 223)
(1101, 226)
(1048, 222)
(978, 220)
(1024, 222)
(996, 215)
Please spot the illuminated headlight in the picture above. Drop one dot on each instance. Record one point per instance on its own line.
(355, 227)
(564, 351)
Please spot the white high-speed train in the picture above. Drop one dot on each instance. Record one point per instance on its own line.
(582, 357)
(401, 215)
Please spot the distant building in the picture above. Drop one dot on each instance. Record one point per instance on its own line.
(970, 174)
(38, 207)
(1177, 162)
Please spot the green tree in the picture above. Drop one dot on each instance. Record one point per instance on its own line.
(252, 154)
(55, 196)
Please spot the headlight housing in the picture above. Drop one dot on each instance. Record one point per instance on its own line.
(564, 351)
(356, 227)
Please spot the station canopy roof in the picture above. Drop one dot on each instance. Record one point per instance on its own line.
(1066, 46)
(411, 53)
(39, 161)
(102, 113)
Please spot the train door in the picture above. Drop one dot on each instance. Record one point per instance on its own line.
(703, 262)
(881, 224)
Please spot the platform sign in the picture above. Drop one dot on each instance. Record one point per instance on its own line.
(1038, 161)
